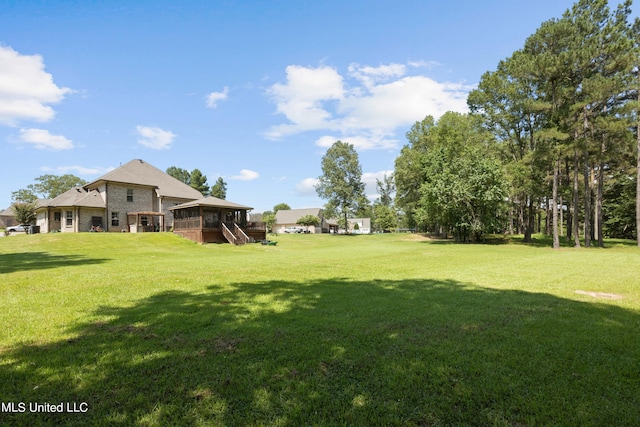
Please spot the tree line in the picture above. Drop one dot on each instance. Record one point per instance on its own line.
(196, 179)
(552, 133)
(551, 144)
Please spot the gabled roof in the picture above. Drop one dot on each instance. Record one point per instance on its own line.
(77, 196)
(211, 202)
(291, 216)
(139, 172)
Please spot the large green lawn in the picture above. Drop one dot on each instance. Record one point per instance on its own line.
(151, 329)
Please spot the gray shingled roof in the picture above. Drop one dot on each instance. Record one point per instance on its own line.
(212, 202)
(291, 216)
(141, 173)
(41, 203)
(77, 196)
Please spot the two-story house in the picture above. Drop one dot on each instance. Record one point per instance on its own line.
(133, 197)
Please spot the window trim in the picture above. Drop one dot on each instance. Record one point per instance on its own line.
(115, 219)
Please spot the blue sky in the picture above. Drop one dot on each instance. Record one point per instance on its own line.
(253, 91)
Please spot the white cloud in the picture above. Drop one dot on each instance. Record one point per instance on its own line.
(370, 182)
(43, 140)
(154, 137)
(26, 89)
(368, 76)
(369, 111)
(214, 97)
(369, 178)
(301, 98)
(307, 187)
(246, 175)
(363, 141)
(424, 64)
(401, 103)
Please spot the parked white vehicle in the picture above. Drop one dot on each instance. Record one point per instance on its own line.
(293, 230)
(16, 228)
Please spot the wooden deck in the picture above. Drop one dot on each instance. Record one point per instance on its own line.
(215, 235)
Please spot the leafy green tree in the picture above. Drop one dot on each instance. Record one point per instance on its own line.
(383, 209)
(386, 188)
(219, 189)
(634, 32)
(24, 195)
(463, 194)
(619, 211)
(603, 59)
(269, 218)
(195, 179)
(506, 102)
(638, 163)
(281, 207)
(180, 174)
(199, 182)
(341, 181)
(385, 217)
(48, 187)
(25, 213)
(562, 99)
(464, 185)
(409, 169)
(308, 221)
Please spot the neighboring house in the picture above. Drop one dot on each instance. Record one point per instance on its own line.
(7, 216)
(214, 220)
(359, 225)
(7, 219)
(290, 217)
(133, 197)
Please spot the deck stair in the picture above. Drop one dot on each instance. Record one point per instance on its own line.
(235, 235)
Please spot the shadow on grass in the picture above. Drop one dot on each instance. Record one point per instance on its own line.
(23, 261)
(338, 352)
(489, 239)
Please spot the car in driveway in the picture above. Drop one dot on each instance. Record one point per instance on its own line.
(292, 230)
(16, 228)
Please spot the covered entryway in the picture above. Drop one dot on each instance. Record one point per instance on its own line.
(145, 222)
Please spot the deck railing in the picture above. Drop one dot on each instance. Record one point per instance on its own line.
(242, 236)
(258, 226)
